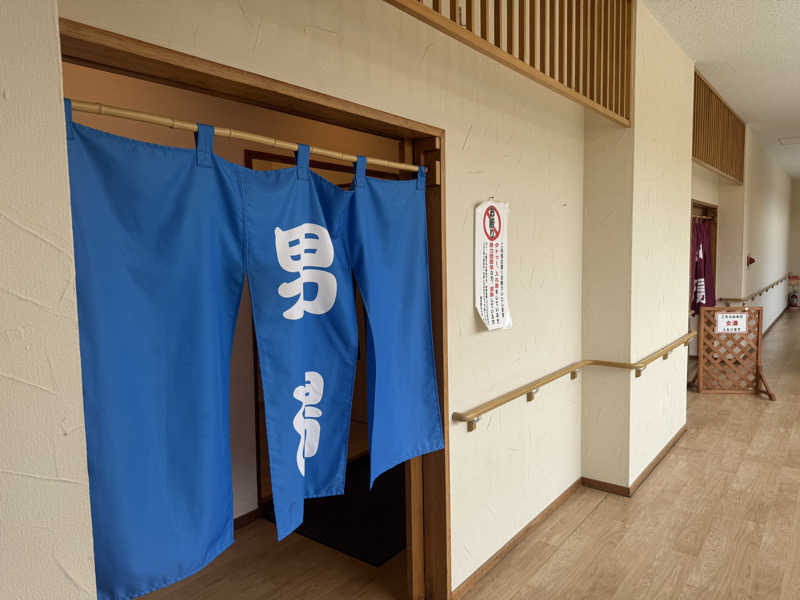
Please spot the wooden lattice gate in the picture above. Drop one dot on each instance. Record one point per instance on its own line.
(729, 360)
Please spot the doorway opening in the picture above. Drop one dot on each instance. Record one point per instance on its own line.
(107, 68)
(703, 240)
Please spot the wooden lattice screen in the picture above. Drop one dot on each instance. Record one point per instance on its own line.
(718, 134)
(581, 49)
(730, 363)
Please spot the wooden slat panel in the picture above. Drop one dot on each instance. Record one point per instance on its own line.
(579, 48)
(510, 26)
(609, 75)
(543, 35)
(593, 50)
(532, 33)
(601, 54)
(498, 23)
(613, 64)
(604, 74)
(570, 44)
(718, 134)
(615, 30)
(620, 56)
(626, 51)
(551, 32)
(610, 51)
(622, 34)
(562, 36)
(620, 63)
(584, 23)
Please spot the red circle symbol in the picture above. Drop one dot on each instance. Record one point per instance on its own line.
(491, 223)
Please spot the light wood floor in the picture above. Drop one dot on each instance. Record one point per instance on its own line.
(257, 567)
(718, 518)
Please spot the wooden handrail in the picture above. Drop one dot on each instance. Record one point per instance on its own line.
(472, 416)
(751, 297)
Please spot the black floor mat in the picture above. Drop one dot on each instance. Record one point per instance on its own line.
(367, 525)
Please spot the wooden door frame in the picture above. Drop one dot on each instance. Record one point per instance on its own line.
(428, 489)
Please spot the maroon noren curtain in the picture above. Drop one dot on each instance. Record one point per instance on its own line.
(703, 292)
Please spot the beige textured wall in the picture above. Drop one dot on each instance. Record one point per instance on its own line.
(45, 529)
(705, 185)
(506, 137)
(606, 333)
(730, 240)
(767, 225)
(794, 234)
(662, 189)
(638, 187)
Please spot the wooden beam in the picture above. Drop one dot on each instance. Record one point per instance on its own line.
(83, 44)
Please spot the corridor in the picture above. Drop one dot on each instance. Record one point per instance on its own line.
(718, 518)
(257, 254)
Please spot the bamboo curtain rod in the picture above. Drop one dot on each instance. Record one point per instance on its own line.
(135, 115)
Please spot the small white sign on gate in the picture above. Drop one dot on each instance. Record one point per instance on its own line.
(731, 322)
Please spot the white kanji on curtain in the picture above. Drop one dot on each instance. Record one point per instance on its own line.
(306, 250)
(305, 421)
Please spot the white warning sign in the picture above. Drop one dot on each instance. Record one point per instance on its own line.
(491, 257)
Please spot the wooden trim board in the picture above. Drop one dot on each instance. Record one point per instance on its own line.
(511, 544)
(621, 490)
(717, 171)
(659, 457)
(246, 518)
(604, 486)
(101, 49)
(436, 466)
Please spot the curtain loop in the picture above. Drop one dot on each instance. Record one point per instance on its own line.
(204, 139)
(68, 118)
(421, 178)
(302, 157)
(361, 172)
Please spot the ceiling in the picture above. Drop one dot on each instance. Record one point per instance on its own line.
(749, 50)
